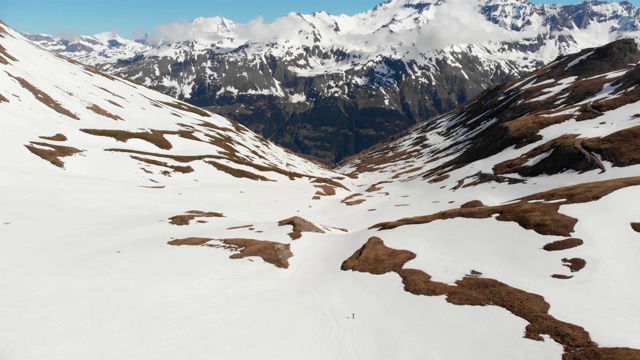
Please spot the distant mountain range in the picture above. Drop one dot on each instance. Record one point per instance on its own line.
(137, 226)
(330, 86)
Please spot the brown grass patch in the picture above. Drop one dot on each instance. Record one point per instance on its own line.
(154, 137)
(541, 217)
(299, 225)
(4, 55)
(3, 99)
(191, 215)
(620, 148)
(54, 153)
(187, 107)
(563, 244)
(561, 277)
(192, 241)
(56, 137)
(575, 264)
(44, 98)
(240, 227)
(181, 169)
(274, 253)
(349, 200)
(375, 187)
(100, 111)
(238, 173)
(595, 353)
(326, 190)
(376, 258)
(635, 226)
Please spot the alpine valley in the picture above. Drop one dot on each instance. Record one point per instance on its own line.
(331, 86)
(134, 225)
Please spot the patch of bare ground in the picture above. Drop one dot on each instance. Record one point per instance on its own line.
(114, 103)
(325, 190)
(538, 212)
(4, 55)
(44, 98)
(636, 226)
(191, 241)
(376, 258)
(191, 215)
(154, 137)
(575, 264)
(181, 169)
(240, 227)
(112, 93)
(100, 111)
(376, 187)
(56, 137)
(299, 225)
(564, 153)
(349, 200)
(53, 153)
(619, 148)
(561, 277)
(439, 178)
(596, 353)
(187, 107)
(563, 244)
(3, 99)
(238, 173)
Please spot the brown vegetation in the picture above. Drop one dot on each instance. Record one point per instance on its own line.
(238, 173)
(186, 219)
(56, 137)
(350, 202)
(186, 107)
(100, 111)
(3, 99)
(325, 190)
(561, 277)
(181, 169)
(299, 225)
(272, 252)
(596, 353)
(154, 137)
(620, 148)
(563, 244)
(575, 264)
(44, 98)
(530, 212)
(376, 258)
(635, 226)
(54, 153)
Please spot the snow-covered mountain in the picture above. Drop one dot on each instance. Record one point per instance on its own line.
(134, 225)
(332, 85)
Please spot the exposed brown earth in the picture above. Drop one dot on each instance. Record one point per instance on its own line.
(619, 148)
(54, 153)
(376, 187)
(100, 111)
(239, 227)
(187, 107)
(636, 226)
(530, 212)
(154, 137)
(349, 200)
(563, 244)
(181, 169)
(299, 225)
(114, 103)
(561, 277)
(595, 353)
(376, 258)
(325, 190)
(238, 173)
(272, 252)
(44, 98)
(4, 55)
(192, 241)
(191, 215)
(3, 99)
(575, 264)
(56, 137)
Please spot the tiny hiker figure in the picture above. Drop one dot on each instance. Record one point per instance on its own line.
(353, 316)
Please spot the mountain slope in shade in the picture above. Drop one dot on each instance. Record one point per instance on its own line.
(137, 226)
(331, 86)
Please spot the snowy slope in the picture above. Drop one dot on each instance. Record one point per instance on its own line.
(88, 271)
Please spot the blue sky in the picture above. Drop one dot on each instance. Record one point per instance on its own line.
(134, 17)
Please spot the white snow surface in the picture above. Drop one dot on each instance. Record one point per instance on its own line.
(87, 272)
